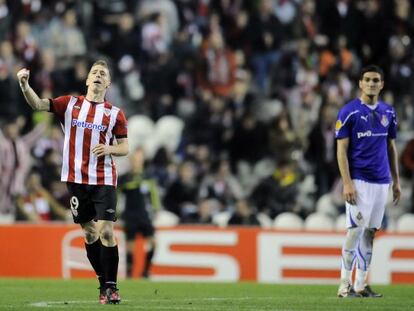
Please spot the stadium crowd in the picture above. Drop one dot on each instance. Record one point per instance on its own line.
(256, 85)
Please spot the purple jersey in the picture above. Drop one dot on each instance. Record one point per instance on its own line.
(368, 131)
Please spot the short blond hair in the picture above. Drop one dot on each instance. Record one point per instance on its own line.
(103, 63)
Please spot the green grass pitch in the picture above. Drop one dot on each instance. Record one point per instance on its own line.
(41, 294)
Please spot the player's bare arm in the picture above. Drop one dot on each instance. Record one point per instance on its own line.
(120, 149)
(31, 97)
(393, 158)
(349, 192)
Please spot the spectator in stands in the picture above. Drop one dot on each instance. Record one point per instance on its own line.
(241, 99)
(203, 214)
(153, 36)
(182, 195)
(243, 215)
(401, 77)
(306, 23)
(200, 155)
(221, 185)
(51, 139)
(8, 91)
(49, 168)
(5, 19)
(266, 39)
(278, 193)
(76, 76)
(212, 124)
(407, 163)
(283, 140)
(341, 17)
(217, 69)
(249, 141)
(127, 37)
(159, 78)
(15, 159)
(321, 150)
(237, 34)
(25, 45)
(48, 78)
(67, 39)
(37, 204)
(169, 15)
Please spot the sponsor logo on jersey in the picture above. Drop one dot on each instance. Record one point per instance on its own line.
(384, 120)
(87, 125)
(364, 134)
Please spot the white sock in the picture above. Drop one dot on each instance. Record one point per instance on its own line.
(360, 279)
(349, 249)
(364, 253)
(346, 275)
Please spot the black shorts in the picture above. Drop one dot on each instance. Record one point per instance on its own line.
(92, 202)
(131, 229)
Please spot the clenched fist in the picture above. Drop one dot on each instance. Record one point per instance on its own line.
(23, 78)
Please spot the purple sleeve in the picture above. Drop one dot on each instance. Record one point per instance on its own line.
(392, 129)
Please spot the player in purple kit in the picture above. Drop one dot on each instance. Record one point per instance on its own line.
(367, 157)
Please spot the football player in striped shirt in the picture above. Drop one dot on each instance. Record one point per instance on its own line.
(95, 130)
(367, 157)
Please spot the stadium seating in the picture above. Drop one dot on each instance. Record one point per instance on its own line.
(288, 221)
(308, 185)
(318, 221)
(140, 129)
(264, 220)
(221, 219)
(340, 223)
(6, 218)
(405, 223)
(151, 146)
(326, 206)
(168, 130)
(165, 218)
(263, 168)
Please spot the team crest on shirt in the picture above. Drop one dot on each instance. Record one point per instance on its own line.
(338, 125)
(107, 112)
(384, 120)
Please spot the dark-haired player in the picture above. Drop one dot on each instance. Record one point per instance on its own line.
(368, 162)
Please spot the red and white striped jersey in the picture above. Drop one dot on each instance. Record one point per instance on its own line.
(87, 124)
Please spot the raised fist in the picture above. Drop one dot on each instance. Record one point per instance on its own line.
(23, 77)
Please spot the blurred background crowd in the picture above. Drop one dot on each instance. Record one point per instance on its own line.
(233, 102)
